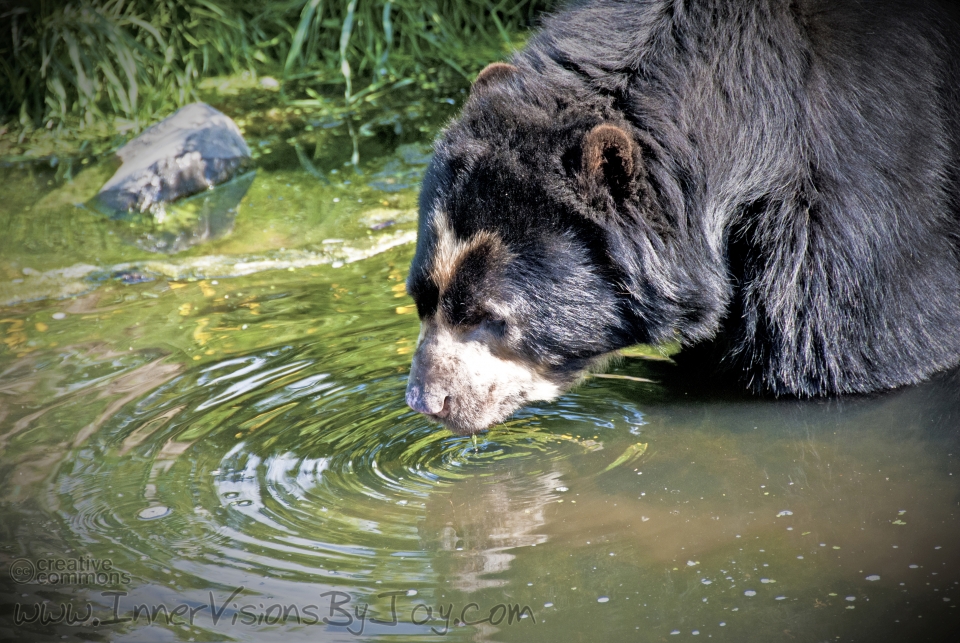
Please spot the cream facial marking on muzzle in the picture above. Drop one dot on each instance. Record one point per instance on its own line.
(465, 380)
(466, 377)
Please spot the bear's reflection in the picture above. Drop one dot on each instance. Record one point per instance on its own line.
(479, 523)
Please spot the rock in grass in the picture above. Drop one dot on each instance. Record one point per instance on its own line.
(194, 149)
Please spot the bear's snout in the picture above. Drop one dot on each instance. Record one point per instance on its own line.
(461, 381)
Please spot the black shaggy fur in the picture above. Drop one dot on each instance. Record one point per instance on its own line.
(786, 201)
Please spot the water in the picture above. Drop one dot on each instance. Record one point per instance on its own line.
(222, 433)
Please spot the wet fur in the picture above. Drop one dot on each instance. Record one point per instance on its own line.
(785, 203)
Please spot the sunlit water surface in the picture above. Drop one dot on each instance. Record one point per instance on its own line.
(234, 443)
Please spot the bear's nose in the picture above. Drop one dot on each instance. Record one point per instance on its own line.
(432, 403)
(445, 409)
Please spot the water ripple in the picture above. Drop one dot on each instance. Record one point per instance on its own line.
(269, 461)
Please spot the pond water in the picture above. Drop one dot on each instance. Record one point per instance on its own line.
(214, 445)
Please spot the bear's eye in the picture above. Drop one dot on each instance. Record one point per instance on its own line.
(495, 325)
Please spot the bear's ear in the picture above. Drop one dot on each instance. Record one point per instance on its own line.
(491, 75)
(607, 160)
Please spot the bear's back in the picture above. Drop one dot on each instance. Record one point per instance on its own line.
(814, 146)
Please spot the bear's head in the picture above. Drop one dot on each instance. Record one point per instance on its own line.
(541, 248)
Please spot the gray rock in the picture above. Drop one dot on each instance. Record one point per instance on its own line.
(194, 149)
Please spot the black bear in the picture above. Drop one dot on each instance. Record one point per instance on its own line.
(771, 182)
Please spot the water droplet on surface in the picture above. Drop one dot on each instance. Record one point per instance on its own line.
(152, 513)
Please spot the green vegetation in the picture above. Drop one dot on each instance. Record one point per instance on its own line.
(103, 67)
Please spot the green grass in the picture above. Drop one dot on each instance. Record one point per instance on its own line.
(98, 65)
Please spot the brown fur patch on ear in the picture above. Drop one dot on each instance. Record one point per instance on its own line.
(450, 251)
(607, 152)
(492, 74)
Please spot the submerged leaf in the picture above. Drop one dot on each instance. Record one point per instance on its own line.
(633, 452)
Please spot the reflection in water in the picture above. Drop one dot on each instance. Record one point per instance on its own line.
(487, 520)
(173, 227)
(133, 377)
(292, 468)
